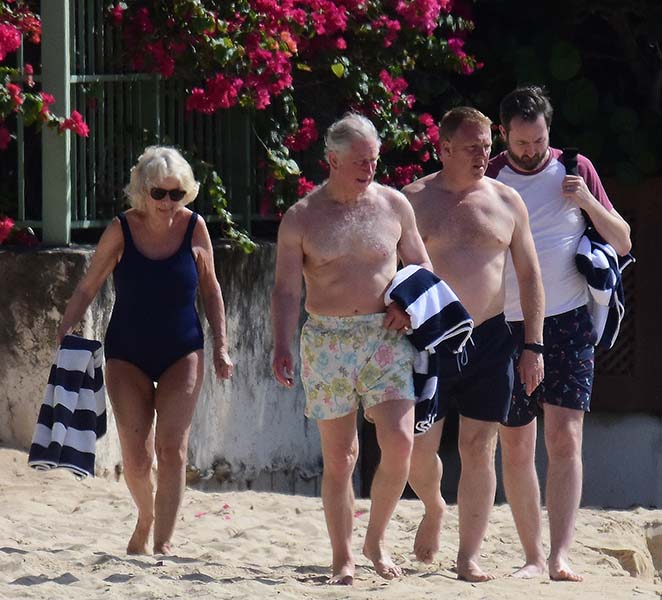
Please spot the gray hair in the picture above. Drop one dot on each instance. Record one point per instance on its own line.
(352, 126)
(155, 164)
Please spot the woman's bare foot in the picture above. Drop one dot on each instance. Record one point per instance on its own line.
(530, 570)
(428, 536)
(163, 548)
(471, 572)
(559, 570)
(382, 562)
(138, 542)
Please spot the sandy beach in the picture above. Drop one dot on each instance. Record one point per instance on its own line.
(63, 538)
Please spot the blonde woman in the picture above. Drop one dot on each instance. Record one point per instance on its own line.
(159, 253)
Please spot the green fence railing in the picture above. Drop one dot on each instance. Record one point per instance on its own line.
(81, 179)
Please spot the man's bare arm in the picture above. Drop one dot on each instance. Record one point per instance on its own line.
(613, 228)
(531, 291)
(411, 251)
(286, 297)
(411, 248)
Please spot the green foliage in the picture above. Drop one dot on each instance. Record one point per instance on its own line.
(294, 61)
(601, 61)
(217, 193)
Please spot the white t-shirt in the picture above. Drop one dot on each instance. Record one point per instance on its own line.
(557, 225)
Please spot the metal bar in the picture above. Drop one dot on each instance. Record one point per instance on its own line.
(81, 162)
(158, 101)
(87, 223)
(101, 149)
(179, 107)
(248, 158)
(56, 164)
(110, 139)
(89, 42)
(75, 188)
(129, 120)
(20, 146)
(115, 77)
(79, 51)
(91, 177)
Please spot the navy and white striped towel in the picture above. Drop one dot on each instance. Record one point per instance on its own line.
(437, 315)
(602, 267)
(73, 414)
(438, 318)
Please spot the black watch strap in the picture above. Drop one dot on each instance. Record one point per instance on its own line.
(537, 348)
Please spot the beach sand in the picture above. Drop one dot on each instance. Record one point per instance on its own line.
(62, 538)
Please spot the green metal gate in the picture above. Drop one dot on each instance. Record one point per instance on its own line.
(82, 178)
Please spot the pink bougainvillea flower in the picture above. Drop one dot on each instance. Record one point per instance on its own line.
(76, 124)
(304, 137)
(6, 224)
(422, 14)
(29, 75)
(15, 94)
(10, 39)
(5, 138)
(163, 58)
(389, 29)
(221, 92)
(117, 13)
(304, 186)
(46, 101)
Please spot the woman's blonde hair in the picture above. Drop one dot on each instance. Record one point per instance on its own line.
(154, 165)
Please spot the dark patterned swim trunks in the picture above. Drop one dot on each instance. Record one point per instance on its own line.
(569, 340)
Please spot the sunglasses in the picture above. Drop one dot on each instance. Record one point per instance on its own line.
(160, 194)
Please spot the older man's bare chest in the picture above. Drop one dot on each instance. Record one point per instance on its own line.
(362, 233)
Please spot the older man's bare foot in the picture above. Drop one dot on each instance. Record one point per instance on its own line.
(382, 562)
(559, 570)
(138, 542)
(530, 570)
(342, 575)
(428, 536)
(471, 572)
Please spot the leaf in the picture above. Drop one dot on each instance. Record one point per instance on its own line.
(291, 167)
(338, 70)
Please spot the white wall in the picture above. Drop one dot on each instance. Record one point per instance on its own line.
(250, 433)
(246, 433)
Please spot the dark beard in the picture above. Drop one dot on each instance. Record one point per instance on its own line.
(529, 163)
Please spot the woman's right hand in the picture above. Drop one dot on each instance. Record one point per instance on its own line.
(62, 331)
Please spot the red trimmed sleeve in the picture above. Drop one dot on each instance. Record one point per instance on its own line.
(587, 171)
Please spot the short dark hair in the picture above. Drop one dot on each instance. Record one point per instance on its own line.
(452, 120)
(527, 103)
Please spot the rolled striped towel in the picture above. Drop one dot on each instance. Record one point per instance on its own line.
(73, 414)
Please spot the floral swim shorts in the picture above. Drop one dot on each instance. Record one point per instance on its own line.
(347, 360)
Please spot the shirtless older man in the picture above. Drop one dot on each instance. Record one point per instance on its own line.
(469, 223)
(345, 238)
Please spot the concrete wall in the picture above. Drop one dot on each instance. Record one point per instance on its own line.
(622, 457)
(247, 433)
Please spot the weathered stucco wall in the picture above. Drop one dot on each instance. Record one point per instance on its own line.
(248, 432)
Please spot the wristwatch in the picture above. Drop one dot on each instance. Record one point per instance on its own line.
(537, 348)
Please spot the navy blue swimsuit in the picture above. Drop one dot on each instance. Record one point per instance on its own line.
(154, 321)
